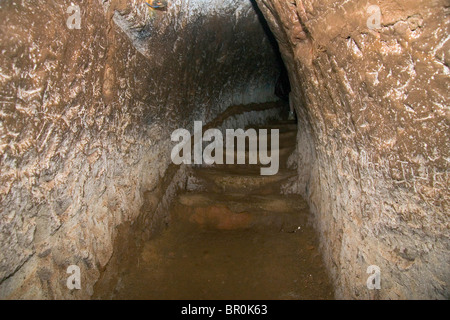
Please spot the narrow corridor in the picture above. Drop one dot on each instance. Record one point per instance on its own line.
(233, 235)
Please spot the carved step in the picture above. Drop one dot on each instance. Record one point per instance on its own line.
(240, 211)
(243, 179)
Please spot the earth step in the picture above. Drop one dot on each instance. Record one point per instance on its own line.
(237, 211)
(284, 153)
(241, 179)
(283, 134)
(290, 127)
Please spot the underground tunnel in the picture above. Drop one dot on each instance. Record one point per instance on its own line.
(224, 149)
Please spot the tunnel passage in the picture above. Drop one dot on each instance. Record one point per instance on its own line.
(91, 93)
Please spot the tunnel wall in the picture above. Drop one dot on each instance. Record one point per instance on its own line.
(373, 143)
(86, 117)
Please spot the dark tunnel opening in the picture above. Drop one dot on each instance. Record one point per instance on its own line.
(282, 84)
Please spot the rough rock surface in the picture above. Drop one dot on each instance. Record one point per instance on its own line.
(86, 117)
(373, 148)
